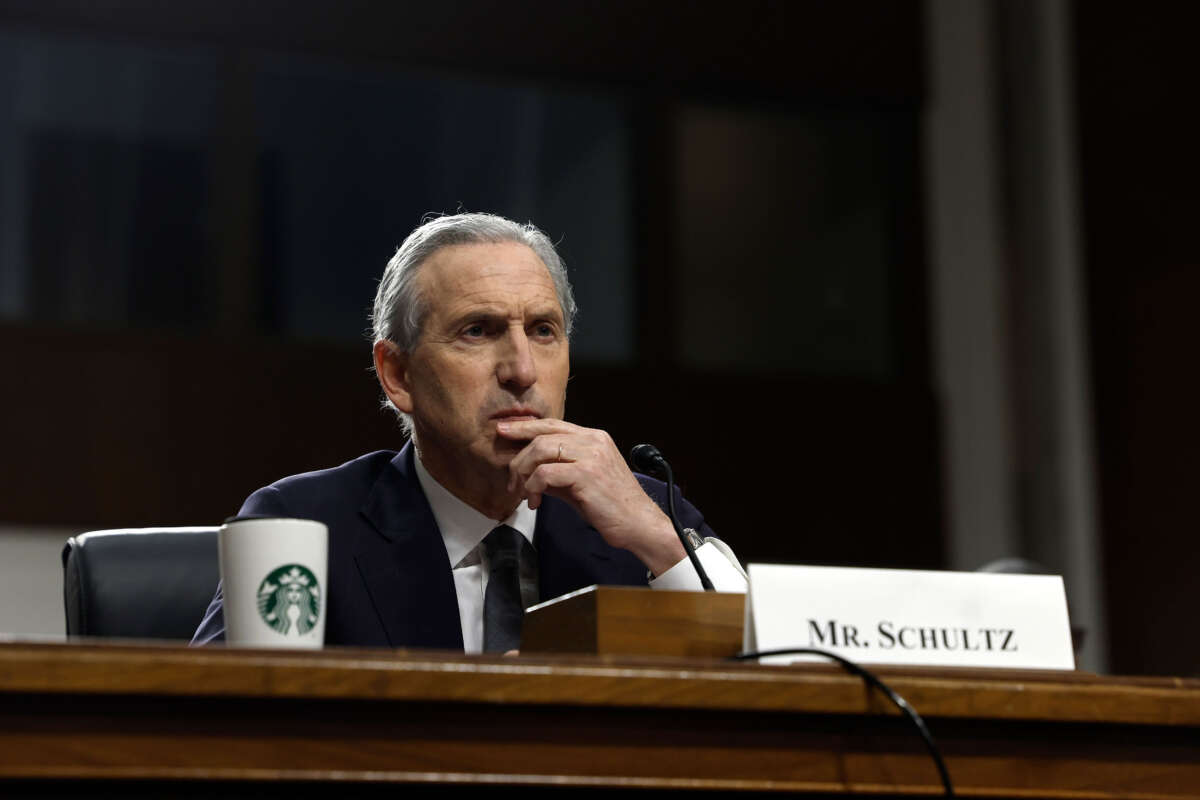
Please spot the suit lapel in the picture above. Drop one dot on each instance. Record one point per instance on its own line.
(571, 553)
(407, 571)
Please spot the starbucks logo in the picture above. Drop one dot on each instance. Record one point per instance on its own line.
(290, 598)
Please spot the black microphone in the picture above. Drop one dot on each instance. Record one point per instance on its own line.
(646, 458)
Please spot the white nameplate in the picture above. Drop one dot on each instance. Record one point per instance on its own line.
(920, 617)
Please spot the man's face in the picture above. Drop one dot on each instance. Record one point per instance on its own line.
(493, 346)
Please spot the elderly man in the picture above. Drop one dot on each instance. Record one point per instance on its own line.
(496, 503)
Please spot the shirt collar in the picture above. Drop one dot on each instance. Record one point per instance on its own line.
(462, 527)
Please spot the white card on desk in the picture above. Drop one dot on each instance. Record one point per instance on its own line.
(914, 617)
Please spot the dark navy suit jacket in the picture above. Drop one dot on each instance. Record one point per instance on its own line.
(390, 583)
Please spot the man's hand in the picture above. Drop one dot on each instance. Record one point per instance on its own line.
(583, 467)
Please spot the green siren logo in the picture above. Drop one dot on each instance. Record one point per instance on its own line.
(290, 597)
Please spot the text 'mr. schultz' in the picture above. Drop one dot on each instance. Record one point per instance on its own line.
(888, 636)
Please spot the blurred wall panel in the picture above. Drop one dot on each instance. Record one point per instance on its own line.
(116, 232)
(1140, 169)
(318, 134)
(113, 428)
(783, 226)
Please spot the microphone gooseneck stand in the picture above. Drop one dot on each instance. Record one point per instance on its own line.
(646, 458)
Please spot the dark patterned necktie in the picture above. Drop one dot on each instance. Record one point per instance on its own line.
(512, 585)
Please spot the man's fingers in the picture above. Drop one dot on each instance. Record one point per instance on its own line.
(529, 428)
(562, 459)
(544, 449)
(546, 479)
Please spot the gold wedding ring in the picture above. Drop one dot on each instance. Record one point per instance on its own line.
(559, 457)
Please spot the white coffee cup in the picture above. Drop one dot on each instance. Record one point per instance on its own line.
(273, 578)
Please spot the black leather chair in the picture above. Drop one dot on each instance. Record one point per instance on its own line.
(139, 583)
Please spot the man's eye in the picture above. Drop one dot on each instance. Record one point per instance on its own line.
(473, 331)
(543, 329)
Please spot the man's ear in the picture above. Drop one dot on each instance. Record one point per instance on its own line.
(391, 367)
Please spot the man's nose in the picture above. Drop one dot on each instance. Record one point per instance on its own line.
(515, 364)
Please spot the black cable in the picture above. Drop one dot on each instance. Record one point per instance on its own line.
(871, 679)
(687, 546)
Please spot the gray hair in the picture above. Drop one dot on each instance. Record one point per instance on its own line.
(400, 311)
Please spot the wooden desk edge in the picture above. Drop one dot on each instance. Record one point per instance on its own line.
(415, 676)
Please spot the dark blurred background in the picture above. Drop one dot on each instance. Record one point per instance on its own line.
(900, 284)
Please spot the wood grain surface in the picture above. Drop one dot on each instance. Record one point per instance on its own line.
(131, 714)
(636, 620)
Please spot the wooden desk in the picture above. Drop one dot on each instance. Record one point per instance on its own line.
(138, 715)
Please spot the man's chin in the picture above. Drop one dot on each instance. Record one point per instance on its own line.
(505, 449)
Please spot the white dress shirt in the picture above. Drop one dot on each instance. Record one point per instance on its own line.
(463, 530)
